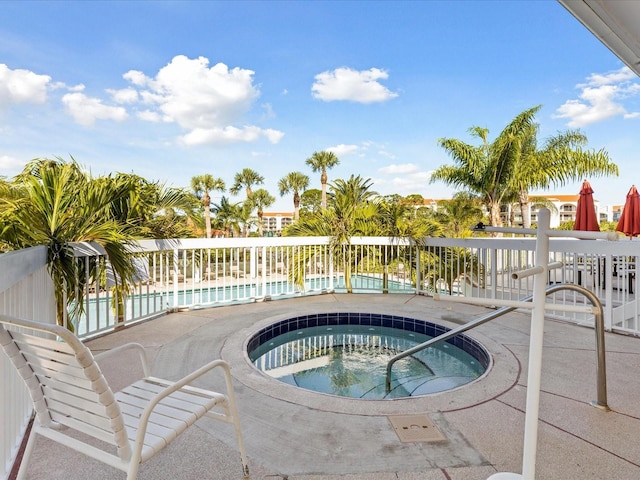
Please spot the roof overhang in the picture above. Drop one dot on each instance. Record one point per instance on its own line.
(616, 23)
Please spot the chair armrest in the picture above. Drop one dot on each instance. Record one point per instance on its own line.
(174, 387)
(127, 346)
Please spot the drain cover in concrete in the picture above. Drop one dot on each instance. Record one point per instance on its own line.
(416, 428)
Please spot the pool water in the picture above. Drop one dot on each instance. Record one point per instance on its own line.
(350, 361)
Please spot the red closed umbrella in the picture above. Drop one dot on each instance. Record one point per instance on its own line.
(629, 222)
(586, 218)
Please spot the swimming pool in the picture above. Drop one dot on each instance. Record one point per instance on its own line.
(346, 354)
(148, 300)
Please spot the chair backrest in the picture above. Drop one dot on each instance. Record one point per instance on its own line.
(66, 385)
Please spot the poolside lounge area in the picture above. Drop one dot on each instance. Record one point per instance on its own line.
(295, 434)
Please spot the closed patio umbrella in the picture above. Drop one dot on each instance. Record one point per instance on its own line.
(629, 222)
(586, 218)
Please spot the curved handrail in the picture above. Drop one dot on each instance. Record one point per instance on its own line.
(601, 374)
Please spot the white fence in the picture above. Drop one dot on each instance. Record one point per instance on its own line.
(197, 273)
(26, 291)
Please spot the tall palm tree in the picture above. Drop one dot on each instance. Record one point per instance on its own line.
(246, 179)
(486, 170)
(320, 162)
(294, 182)
(506, 169)
(260, 199)
(145, 205)
(560, 159)
(201, 186)
(60, 203)
(351, 212)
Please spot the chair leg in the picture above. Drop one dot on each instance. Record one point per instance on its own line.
(132, 472)
(24, 462)
(243, 453)
(231, 409)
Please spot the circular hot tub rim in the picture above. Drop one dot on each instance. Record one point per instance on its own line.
(410, 324)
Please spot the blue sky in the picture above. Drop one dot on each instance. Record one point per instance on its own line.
(170, 90)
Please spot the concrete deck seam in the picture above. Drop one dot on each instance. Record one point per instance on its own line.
(497, 396)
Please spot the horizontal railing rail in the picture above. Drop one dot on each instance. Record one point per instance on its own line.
(197, 273)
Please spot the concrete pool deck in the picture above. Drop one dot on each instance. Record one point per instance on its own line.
(293, 434)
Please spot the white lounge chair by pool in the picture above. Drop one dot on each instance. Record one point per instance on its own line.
(68, 389)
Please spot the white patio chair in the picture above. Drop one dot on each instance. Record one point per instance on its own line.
(68, 389)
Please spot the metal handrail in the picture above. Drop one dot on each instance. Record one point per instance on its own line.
(601, 374)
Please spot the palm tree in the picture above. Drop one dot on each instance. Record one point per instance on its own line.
(228, 216)
(59, 203)
(351, 212)
(486, 170)
(246, 179)
(294, 182)
(459, 214)
(320, 162)
(399, 218)
(151, 209)
(201, 185)
(506, 169)
(560, 159)
(354, 191)
(245, 217)
(260, 199)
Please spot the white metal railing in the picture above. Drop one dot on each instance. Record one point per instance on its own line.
(195, 273)
(26, 291)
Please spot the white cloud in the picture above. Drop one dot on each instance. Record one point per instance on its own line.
(149, 116)
(399, 169)
(415, 182)
(601, 98)
(194, 96)
(10, 163)
(86, 110)
(352, 85)
(274, 136)
(227, 135)
(384, 153)
(22, 86)
(124, 95)
(206, 101)
(342, 150)
(136, 77)
(268, 111)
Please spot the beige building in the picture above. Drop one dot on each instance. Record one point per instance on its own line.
(563, 209)
(275, 222)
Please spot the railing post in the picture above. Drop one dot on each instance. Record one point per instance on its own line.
(263, 250)
(175, 278)
(608, 290)
(418, 269)
(494, 273)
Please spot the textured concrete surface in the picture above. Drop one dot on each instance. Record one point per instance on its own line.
(295, 434)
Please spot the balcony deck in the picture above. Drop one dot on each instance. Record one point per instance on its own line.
(299, 435)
